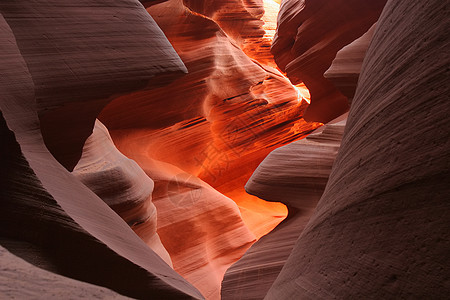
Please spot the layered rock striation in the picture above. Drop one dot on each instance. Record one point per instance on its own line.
(346, 66)
(48, 217)
(295, 175)
(79, 61)
(380, 229)
(122, 184)
(228, 112)
(309, 35)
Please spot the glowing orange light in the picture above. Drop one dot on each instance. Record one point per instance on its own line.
(303, 92)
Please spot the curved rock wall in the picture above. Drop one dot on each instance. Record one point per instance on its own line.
(309, 35)
(92, 52)
(296, 175)
(48, 216)
(346, 66)
(380, 229)
(20, 280)
(122, 184)
(227, 113)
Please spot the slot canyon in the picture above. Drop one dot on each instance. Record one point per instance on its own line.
(224, 149)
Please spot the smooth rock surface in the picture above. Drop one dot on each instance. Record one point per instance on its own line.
(380, 229)
(309, 35)
(83, 54)
(122, 184)
(70, 230)
(346, 66)
(295, 175)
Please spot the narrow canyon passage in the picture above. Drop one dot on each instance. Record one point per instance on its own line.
(224, 149)
(201, 138)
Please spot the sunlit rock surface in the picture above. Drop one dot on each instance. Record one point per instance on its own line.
(216, 123)
(380, 229)
(222, 112)
(122, 184)
(295, 175)
(48, 217)
(201, 229)
(309, 35)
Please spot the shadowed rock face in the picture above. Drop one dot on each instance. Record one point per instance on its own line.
(47, 215)
(380, 229)
(22, 280)
(92, 52)
(345, 69)
(294, 175)
(309, 35)
(122, 184)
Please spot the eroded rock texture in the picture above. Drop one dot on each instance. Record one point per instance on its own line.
(122, 184)
(48, 217)
(309, 35)
(80, 60)
(294, 175)
(228, 112)
(380, 229)
(209, 130)
(345, 68)
(222, 119)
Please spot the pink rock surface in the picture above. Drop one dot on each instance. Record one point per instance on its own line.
(309, 35)
(201, 229)
(92, 52)
(345, 68)
(296, 175)
(380, 229)
(48, 215)
(122, 184)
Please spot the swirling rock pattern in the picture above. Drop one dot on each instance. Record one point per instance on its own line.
(48, 216)
(296, 175)
(229, 111)
(380, 229)
(309, 35)
(83, 58)
(122, 184)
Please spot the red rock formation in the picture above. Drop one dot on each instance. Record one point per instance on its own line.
(222, 112)
(309, 35)
(78, 65)
(47, 215)
(295, 175)
(201, 229)
(122, 184)
(380, 229)
(345, 69)
(222, 119)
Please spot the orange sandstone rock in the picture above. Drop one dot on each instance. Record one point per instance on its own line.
(309, 35)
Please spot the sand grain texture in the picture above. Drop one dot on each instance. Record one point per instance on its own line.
(380, 229)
